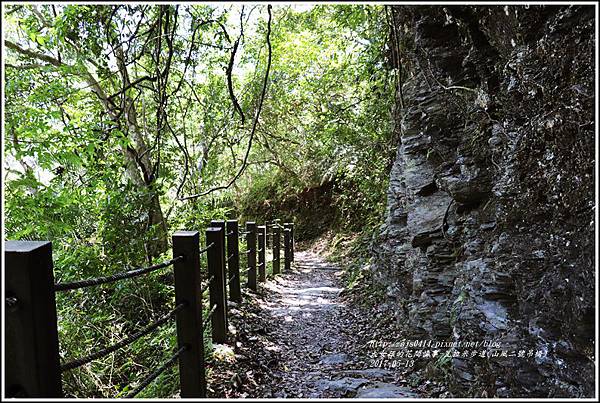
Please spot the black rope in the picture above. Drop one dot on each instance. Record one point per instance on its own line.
(148, 380)
(230, 279)
(11, 302)
(210, 314)
(207, 248)
(109, 279)
(104, 352)
(207, 285)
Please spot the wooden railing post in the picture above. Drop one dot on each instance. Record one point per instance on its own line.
(287, 255)
(251, 245)
(233, 261)
(268, 239)
(293, 239)
(276, 268)
(32, 365)
(216, 268)
(189, 319)
(262, 269)
(290, 226)
(221, 224)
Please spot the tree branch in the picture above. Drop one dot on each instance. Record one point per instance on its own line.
(34, 55)
(228, 72)
(254, 125)
(87, 76)
(27, 66)
(133, 84)
(41, 17)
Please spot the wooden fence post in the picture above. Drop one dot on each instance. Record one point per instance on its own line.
(276, 268)
(268, 239)
(287, 255)
(32, 365)
(262, 249)
(221, 224)
(216, 268)
(189, 319)
(233, 261)
(293, 240)
(290, 226)
(251, 245)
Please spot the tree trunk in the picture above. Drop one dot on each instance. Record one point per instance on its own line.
(139, 160)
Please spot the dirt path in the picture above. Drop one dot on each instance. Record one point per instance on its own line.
(312, 334)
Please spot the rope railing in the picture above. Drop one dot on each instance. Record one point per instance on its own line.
(34, 268)
(209, 316)
(115, 277)
(148, 380)
(205, 249)
(128, 340)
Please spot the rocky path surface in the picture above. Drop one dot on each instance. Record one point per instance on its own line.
(312, 334)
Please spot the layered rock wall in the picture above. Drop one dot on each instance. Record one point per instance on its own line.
(489, 231)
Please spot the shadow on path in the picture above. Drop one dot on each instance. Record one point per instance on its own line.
(314, 339)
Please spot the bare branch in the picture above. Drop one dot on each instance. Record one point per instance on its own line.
(254, 125)
(229, 71)
(133, 84)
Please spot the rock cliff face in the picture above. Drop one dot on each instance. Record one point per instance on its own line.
(489, 231)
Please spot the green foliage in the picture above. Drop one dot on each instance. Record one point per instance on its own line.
(98, 153)
(329, 115)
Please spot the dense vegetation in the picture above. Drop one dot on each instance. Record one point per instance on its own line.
(125, 123)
